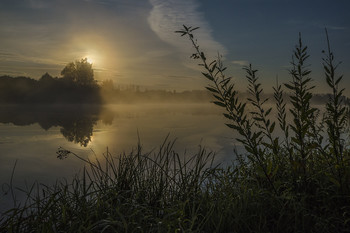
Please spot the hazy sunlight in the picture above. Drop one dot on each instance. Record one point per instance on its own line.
(90, 59)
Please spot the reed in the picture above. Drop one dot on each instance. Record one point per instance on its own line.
(304, 165)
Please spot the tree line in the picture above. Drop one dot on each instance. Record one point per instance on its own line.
(76, 85)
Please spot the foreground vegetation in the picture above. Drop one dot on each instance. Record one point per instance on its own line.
(294, 181)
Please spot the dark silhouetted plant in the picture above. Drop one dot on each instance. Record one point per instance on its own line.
(304, 163)
(336, 120)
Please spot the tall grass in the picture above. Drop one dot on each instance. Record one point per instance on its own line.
(304, 165)
(139, 192)
(298, 181)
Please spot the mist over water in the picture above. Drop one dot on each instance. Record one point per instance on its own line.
(32, 135)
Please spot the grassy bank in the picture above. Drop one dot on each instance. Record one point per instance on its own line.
(162, 192)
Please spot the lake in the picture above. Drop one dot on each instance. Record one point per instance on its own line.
(31, 135)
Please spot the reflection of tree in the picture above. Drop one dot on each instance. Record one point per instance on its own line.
(79, 131)
(76, 121)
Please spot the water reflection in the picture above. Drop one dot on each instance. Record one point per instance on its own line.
(76, 121)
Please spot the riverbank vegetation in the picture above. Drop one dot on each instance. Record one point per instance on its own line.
(54, 90)
(75, 86)
(294, 181)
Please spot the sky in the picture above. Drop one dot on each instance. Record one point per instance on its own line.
(133, 41)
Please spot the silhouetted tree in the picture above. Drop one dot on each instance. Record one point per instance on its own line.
(79, 72)
(76, 86)
(46, 78)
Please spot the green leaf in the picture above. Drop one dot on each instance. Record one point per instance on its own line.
(219, 104)
(289, 86)
(208, 76)
(203, 56)
(249, 149)
(338, 80)
(272, 127)
(228, 116)
(258, 119)
(268, 111)
(231, 126)
(256, 135)
(212, 68)
(218, 98)
(326, 69)
(211, 63)
(212, 90)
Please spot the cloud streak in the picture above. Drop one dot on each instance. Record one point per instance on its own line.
(168, 16)
(240, 62)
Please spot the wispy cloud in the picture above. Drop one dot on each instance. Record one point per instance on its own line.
(168, 16)
(318, 24)
(240, 62)
(15, 57)
(336, 27)
(102, 2)
(39, 4)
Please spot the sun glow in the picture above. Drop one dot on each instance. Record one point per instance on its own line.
(98, 51)
(93, 58)
(90, 59)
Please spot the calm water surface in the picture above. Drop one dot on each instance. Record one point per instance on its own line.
(32, 135)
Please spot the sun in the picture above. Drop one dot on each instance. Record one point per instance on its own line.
(89, 59)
